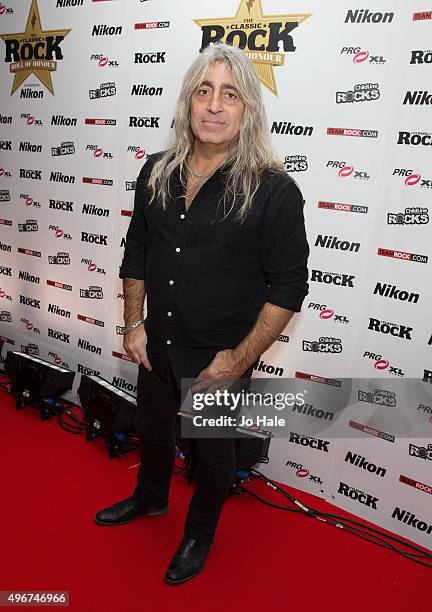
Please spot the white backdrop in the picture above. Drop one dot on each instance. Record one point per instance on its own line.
(86, 94)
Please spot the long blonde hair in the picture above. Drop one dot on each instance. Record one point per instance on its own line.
(249, 154)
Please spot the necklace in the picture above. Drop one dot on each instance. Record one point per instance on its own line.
(197, 174)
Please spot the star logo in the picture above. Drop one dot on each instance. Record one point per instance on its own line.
(258, 34)
(33, 51)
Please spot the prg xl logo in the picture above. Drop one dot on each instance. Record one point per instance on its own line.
(346, 170)
(360, 56)
(34, 51)
(264, 38)
(382, 364)
(326, 313)
(103, 61)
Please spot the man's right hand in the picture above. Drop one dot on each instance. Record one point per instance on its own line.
(135, 343)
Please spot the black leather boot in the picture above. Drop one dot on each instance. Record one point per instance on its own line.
(187, 562)
(126, 511)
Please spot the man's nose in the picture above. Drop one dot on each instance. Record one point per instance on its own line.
(215, 102)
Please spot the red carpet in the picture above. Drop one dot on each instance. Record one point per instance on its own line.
(52, 482)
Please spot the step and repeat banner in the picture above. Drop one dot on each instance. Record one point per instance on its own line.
(88, 90)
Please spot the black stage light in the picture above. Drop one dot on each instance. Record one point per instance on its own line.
(36, 382)
(109, 413)
(251, 447)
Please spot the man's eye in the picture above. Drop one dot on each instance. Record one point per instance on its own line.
(231, 95)
(203, 92)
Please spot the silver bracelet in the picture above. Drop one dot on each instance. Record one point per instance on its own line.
(132, 326)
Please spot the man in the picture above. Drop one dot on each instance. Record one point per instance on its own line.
(217, 244)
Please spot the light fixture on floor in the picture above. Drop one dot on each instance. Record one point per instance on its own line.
(109, 413)
(36, 382)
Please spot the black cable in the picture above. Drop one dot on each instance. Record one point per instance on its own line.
(369, 534)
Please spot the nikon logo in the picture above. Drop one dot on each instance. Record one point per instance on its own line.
(362, 463)
(59, 177)
(367, 16)
(61, 312)
(91, 209)
(61, 120)
(27, 92)
(28, 147)
(86, 346)
(65, 3)
(23, 275)
(145, 90)
(104, 30)
(124, 385)
(332, 242)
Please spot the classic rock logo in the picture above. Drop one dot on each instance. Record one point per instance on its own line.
(295, 163)
(34, 51)
(411, 216)
(259, 35)
(421, 57)
(363, 92)
(394, 329)
(381, 397)
(415, 138)
(150, 57)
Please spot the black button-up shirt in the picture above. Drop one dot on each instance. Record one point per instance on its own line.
(206, 278)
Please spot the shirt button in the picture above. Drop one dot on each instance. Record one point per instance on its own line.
(168, 341)
(171, 282)
(178, 249)
(169, 313)
(182, 216)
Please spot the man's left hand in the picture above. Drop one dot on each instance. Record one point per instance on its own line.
(221, 373)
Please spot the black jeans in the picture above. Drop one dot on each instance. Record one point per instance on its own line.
(158, 400)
